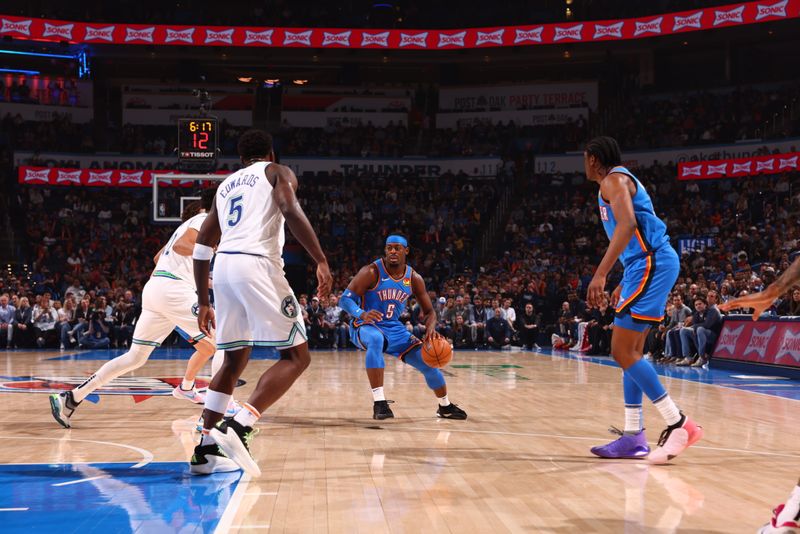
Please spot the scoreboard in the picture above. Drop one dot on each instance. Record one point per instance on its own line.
(197, 142)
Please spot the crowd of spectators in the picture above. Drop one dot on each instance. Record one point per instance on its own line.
(544, 257)
(552, 242)
(55, 93)
(708, 117)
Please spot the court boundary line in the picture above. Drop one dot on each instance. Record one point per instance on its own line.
(147, 456)
(584, 438)
(577, 359)
(226, 521)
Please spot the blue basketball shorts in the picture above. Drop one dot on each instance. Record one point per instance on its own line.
(646, 285)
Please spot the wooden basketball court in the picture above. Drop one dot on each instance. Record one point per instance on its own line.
(520, 463)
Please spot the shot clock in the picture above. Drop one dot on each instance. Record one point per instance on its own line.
(197, 142)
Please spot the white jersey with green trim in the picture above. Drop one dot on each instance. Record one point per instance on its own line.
(170, 263)
(250, 220)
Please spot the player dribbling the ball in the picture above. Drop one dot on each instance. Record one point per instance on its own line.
(375, 298)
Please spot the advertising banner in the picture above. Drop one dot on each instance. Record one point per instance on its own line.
(565, 163)
(42, 113)
(419, 167)
(538, 34)
(518, 97)
(766, 341)
(91, 177)
(694, 244)
(733, 168)
(321, 119)
(530, 117)
(123, 162)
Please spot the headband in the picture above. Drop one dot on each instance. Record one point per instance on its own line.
(400, 240)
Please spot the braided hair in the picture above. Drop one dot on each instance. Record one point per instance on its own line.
(606, 150)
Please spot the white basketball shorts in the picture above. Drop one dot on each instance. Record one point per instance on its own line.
(167, 304)
(254, 303)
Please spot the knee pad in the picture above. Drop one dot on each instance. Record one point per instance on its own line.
(372, 339)
(433, 377)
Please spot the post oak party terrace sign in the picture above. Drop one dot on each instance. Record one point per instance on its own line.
(537, 34)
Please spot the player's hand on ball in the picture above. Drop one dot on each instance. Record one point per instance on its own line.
(324, 280)
(371, 316)
(206, 319)
(431, 334)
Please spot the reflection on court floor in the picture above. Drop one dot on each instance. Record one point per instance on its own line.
(160, 497)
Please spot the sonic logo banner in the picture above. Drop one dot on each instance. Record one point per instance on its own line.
(770, 341)
(734, 168)
(591, 31)
(93, 177)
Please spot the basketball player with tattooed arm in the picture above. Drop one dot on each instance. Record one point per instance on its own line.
(255, 305)
(786, 517)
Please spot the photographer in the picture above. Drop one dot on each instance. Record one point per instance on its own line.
(96, 336)
(124, 317)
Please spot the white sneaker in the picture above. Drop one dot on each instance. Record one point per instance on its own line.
(209, 459)
(192, 395)
(234, 440)
(676, 439)
(784, 520)
(58, 407)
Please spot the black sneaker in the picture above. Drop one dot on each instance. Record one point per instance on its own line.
(451, 411)
(209, 459)
(381, 410)
(234, 440)
(62, 406)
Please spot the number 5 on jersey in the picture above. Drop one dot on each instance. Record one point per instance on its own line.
(235, 212)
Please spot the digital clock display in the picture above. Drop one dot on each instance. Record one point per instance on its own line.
(197, 140)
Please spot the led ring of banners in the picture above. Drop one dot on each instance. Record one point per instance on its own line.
(740, 167)
(587, 31)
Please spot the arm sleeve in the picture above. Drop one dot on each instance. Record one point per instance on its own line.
(348, 304)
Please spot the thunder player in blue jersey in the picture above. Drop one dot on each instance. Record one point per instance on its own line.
(375, 298)
(639, 240)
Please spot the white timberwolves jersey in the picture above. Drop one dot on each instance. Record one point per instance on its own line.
(173, 265)
(250, 220)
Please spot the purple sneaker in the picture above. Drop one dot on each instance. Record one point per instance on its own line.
(626, 446)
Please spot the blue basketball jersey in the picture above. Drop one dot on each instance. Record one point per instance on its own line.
(389, 295)
(651, 232)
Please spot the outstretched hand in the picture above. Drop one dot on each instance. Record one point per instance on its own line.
(759, 302)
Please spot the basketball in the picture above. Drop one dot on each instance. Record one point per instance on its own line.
(437, 352)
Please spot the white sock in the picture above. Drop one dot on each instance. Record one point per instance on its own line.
(247, 416)
(206, 438)
(187, 385)
(668, 410)
(444, 401)
(377, 394)
(633, 419)
(791, 507)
